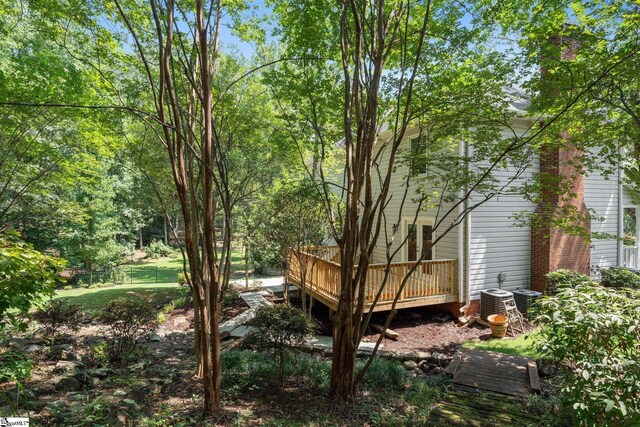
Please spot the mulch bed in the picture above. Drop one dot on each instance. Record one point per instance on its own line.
(426, 330)
(181, 320)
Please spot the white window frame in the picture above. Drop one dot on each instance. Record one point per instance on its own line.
(406, 222)
(636, 248)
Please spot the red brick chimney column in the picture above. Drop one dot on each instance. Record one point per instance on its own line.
(562, 194)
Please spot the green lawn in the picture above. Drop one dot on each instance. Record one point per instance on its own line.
(154, 281)
(163, 270)
(520, 346)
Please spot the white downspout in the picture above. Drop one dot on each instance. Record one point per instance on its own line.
(465, 250)
(620, 211)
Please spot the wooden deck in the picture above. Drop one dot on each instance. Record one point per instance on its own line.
(433, 282)
(497, 372)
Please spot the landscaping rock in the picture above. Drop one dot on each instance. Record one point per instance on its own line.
(18, 343)
(71, 355)
(156, 338)
(67, 365)
(423, 355)
(68, 384)
(85, 380)
(424, 366)
(78, 397)
(436, 371)
(439, 359)
(129, 404)
(410, 365)
(119, 393)
(138, 394)
(44, 390)
(101, 373)
(32, 348)
(546, 368)
(61, 347)
(54, 407)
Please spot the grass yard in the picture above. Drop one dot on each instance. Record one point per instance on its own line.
(93, 300)
(521, 345)
(153, 281)
(162, 270)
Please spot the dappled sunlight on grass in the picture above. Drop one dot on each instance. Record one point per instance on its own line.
(522, 345)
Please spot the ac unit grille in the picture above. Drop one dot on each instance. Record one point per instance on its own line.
(491, 302)
(524, 298)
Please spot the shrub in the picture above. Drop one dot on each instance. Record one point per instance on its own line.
(244, 371)
(26, 277)
(231, 296)
(60, 316)
(383, 373)
(126, 322)
(620, 278)
(157, 249)
(182, 279)
(595, 332)
(278, 329)
(564, 278)
(96, 354)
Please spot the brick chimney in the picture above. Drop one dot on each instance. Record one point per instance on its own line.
(562, 194)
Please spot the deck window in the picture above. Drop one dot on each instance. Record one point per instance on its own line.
(418, 160)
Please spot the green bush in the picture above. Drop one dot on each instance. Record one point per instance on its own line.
(60, 316)
(157, 249)
(26, 277)
(278, 329)
(231, 296)
(126, 323)
(595, 333)
(96, 355)
(244, 371)
(564, 278)
(620, 278)
(383, 373)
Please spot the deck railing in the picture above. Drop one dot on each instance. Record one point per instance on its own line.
(322, 276)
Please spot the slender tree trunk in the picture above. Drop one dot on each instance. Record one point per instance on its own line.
(166, 231)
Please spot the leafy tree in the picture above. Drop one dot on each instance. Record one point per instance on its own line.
(388, 66)
(26, 277)
(290, 223)
(279, 329)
